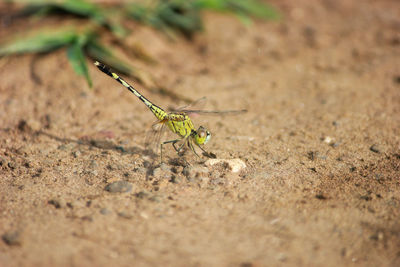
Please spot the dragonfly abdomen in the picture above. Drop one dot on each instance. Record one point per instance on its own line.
(157, 111)
(160, 114)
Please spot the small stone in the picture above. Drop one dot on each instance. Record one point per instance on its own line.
(329, 140)
(155, 198)
(12, 164)
(320, 196)
(119, 187)
(87, 218)
(164, 167)
(124, 215)
(144, 215)
(56, 203)
(12, 238)
(162, 172)
(282, 257)
(218, 181)
(62, 147)
(235, 165)
(76, 153)
(335, 144)
(366, 197)
(23, 126)
(374, 148)
(175, 179)
(27, 164)
(105, 211)
(142, 195)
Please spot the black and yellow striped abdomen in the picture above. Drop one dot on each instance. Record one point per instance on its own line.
(157, 111)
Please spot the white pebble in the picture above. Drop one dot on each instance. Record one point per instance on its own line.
(235, 164)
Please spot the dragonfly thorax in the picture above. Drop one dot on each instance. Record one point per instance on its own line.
(201, 136)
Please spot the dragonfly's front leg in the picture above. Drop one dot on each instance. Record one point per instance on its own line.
(210, 155)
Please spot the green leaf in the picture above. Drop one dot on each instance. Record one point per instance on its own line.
(43, 41)
(109, 17)
(77, 60)
(241, 8)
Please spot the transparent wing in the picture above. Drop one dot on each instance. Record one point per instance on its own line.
(195, 108)
(215, 112)
(195, 105)
(153, 136)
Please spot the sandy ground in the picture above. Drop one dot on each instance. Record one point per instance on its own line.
(320, 140)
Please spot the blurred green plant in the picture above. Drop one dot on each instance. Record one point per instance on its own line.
(107, 17)
(169, 16)
(78, 43)
(185, 15)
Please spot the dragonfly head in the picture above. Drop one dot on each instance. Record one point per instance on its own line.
(202, 136)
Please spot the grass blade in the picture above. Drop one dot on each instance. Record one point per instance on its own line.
(43, 41)
(241, 8)
(77, 60)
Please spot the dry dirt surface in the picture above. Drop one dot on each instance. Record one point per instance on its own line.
(320, 140)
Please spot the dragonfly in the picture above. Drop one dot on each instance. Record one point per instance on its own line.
(178, 121)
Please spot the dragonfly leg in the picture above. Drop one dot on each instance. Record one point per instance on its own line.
(208, 154)
(192, 148)
(167, 142)
(179, 148)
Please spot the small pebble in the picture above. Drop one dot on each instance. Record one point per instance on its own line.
(12, 164)
(23, 126)
(375, 148)
(155, 198)
(164, 167)
(235, 165)
(124, 215)
(175, 179)
(12, 238)
(142, 195)
(329, 140)
(57, 203)
(218, 181)
(87, 218)
(105, 211)
(282, 257)
(119, 187)
(162, 173)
